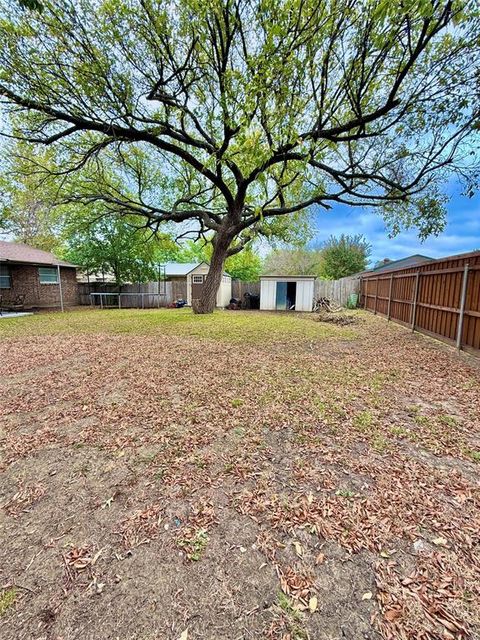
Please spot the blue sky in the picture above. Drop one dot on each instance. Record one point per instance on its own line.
(462, 233)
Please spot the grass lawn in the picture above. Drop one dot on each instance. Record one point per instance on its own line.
(237, 476)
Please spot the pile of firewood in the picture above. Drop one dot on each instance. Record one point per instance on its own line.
(341, 319)
(324, 304)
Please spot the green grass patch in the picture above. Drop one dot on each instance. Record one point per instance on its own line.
(292, 618)
(345, 493)
(473, 455)
(403, 432)
(447, 420)
(250, 327)
(286, 604)
(422, 421)
(7, 599)
(194, 546)
(363, 421)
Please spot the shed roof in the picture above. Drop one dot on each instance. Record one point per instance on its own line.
(23, 253)
(279, 277)
(183, 268)
(180, 268)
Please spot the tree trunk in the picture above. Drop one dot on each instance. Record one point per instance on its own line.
(208, 298)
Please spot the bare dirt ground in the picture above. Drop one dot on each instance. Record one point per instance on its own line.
(240, 476)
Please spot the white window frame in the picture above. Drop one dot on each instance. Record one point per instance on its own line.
(51, 270)
(197, 279)
(5, 277)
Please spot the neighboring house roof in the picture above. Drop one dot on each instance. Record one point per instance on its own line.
(180, 269)
(17, 252)
(409, 261)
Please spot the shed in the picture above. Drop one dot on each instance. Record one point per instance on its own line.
(284, 293)
(194, 274)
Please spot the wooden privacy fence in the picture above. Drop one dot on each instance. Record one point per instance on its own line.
(146, 295)
(337, 290)
(440, 298)
(240, 288)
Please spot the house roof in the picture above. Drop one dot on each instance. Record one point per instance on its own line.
(23, 253)
(180, 269)
(408, 261)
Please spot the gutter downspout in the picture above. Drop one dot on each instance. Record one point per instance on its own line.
(60, 288)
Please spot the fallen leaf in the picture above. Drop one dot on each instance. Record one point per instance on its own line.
(392, 614)
(367, 595)
(184, 635)
(298, 548)
(313, 603)
(320, 558)
(440, 542)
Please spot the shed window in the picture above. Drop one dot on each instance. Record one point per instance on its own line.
(5, 282)
(197, 279)
(48, 275)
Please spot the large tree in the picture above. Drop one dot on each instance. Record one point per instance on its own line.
(228, 116)
(27, 203)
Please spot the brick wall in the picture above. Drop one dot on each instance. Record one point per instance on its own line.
(24, 279)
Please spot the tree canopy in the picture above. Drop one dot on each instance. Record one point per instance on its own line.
(233, 117)
(336, 258)
(114, 245)
(27, 204)
(344, 256)
(292, 262)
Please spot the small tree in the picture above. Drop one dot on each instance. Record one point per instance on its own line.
(344, 256)
(231, 117)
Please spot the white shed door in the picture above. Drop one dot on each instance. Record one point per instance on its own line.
(304, 299)
(268, 292)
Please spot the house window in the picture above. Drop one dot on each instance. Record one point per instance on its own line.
(48, 275)
(197, 279)
(5, 282)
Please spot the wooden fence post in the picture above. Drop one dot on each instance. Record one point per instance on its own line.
(462, 307)
(390, 296)
(415, 296)
(376, 297)
(365, 297)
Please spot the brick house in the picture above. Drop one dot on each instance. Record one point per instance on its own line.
(43, 279)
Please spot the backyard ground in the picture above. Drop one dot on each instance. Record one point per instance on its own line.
(246, 475)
